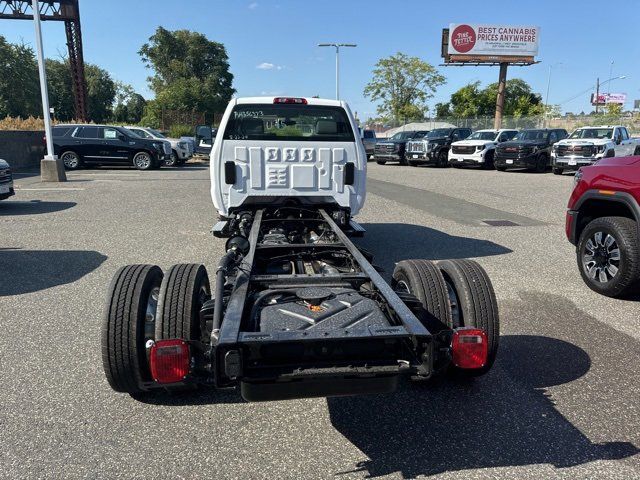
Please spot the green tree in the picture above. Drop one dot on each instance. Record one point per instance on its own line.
(19, 84)
(613, 109)
(403, 84)
(60, 89)
(190, 72)
(129, 105)
(101, 92)
(443, 110)
(472, 100)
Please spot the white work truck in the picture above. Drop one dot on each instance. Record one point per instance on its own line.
(586, 145)
(297, 310)
(478, 148)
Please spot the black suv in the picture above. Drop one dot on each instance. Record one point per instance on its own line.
(78, 145)
(529, 149)
(393, 149)
(433, 149)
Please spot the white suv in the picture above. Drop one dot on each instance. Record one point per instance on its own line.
(303, 150)
(180, 151)
(478, 148)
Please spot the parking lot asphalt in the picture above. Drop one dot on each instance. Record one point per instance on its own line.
(560, 402)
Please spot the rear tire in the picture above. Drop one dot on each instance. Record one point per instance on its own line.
(381, 162)
(501, 169)
(557, 171)
(403, 160)
(71, 160)
(184, 290)
(131, 306)
(473, 304)
(443, 159)
(422, 280)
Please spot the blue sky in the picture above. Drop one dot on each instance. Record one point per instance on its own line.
(281, 37)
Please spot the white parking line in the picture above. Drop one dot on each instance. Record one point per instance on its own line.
(60, 189)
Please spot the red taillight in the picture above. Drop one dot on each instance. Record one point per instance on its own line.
(169, 360)
(300, 101)
(469, 347)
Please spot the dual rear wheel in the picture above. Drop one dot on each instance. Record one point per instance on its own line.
(451, 294)
(145, 305)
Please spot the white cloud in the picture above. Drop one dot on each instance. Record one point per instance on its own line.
(269, 66)
(253, 5)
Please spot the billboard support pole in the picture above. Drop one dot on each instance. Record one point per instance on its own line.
(502, 83)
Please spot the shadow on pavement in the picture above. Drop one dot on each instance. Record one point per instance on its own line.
(27, 271)
(503, 419)
(391, 242)
(34, 207)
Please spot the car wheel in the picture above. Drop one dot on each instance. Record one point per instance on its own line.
(473, 304)
(443, 159)
(128, 323)
(541, 164)
(381, 162)
(608, 256)
(488, 161)
(71, 160)
(501, 168)
(143, 161)
(403, 160)
(557, 171)
(637, 150)
(173, 160)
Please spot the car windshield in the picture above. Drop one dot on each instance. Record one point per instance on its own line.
(293, 122)
(419, 135)
(532, 135)
(592, 133)
(156, 133)
(439, 132)
(133, 133)
(402, 136)
(483, 136)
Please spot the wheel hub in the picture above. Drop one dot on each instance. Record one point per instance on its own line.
(601, 257)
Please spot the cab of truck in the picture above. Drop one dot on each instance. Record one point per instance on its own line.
(275, 151)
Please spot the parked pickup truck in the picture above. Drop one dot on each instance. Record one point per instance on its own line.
(393, 149)
(587, 145)
(529, 149)
(433, 149)
(297, 309)
(479, 148)
(603, 222)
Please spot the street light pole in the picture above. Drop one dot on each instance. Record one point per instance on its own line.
(51, 169)
(337, 47)
(546, 100)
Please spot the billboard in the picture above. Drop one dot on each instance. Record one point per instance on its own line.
(476, 40)
(605, 98)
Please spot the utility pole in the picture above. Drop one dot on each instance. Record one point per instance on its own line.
(337, 47)
(51, 168)
(502, 85)
(597, 94)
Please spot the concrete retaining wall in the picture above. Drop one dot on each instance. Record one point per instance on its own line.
(22, 149)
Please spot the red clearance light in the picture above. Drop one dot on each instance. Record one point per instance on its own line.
(469, 347)
(299, 101)
(169, 360)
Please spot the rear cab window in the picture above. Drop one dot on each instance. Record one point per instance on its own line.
(285, 122)
(86, 132)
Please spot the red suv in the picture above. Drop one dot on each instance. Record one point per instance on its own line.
(603, 222)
